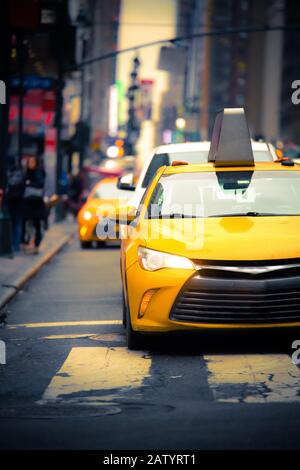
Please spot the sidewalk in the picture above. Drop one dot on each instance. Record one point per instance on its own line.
(15, 272)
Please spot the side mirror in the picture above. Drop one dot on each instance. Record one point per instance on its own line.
(126, 182)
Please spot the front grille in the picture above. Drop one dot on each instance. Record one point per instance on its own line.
(219, 297)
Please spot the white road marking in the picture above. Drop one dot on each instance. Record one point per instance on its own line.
(93, 336)
(70, 336)
(97, 375)
(253, 378)
(64, 323)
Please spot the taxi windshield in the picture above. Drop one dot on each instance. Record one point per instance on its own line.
(226, 194)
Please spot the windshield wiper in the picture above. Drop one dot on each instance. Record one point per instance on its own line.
(172, 216)
(250, 214)
(179, 216)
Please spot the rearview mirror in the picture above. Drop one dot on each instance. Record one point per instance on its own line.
(126, 182)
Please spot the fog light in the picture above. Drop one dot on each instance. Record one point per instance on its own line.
(83, 231)
(145, 301)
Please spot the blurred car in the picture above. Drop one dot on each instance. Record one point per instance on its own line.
(109, 168)
(190, 152)
(221, 270)
(104, 198)
(117, 166)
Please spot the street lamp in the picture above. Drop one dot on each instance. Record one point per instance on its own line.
(133, 127)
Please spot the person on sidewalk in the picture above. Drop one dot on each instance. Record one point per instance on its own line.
(33, 202)
(14, 200)
(75, 189)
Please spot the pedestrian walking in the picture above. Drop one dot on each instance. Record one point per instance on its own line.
(14, 200)
(33, 201)
(75, 190)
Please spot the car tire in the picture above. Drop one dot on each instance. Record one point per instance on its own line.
(85, 245)
(124, 319)
(101, 244)
(134, 339)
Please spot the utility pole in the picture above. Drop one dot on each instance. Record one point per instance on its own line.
(59, 110)
(133, 126)
(59, 105)
(81, 121)
(83, 126)
(5, 78)
(21, 65)
(5, 229)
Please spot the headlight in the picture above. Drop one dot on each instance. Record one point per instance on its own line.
(152, 260)
(87, 215)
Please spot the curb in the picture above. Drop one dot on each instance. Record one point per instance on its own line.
(11, 291)
(5, 297)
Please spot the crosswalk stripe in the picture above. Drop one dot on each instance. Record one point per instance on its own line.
(253, 378)
(64, 323)
(98, 374)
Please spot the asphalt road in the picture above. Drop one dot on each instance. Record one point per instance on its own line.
(70, 383)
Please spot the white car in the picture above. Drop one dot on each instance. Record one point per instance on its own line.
(190, 152)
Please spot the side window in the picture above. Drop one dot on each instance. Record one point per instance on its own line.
(156, 202)
(153, 197)
(158, 161)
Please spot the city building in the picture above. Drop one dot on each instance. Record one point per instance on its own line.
(290, 112)
(97, 35)
(139, 23)
(242, 68)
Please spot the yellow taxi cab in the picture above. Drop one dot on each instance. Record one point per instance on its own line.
(104, 197)
(213, 245)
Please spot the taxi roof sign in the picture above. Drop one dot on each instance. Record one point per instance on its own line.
(230, 142)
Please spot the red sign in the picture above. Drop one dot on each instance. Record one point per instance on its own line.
(49, 102)
(39, 110)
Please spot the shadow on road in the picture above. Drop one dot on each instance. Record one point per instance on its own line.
(99, 246)
(223, 342)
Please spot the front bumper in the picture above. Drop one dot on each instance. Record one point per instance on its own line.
(191, 300)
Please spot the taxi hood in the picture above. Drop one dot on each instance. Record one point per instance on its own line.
(226, 238)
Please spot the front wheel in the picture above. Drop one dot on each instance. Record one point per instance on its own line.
(124, 319)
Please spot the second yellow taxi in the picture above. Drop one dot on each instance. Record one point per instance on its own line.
(104, 198)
